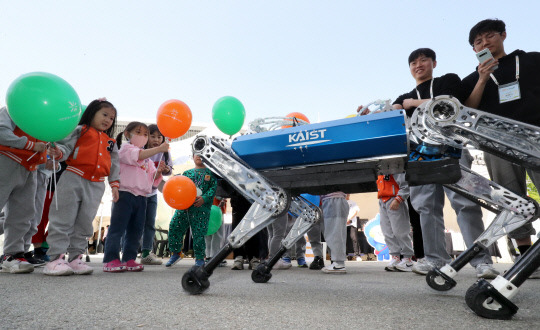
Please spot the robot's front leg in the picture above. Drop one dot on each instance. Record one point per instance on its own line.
(513, 212)
(269, 201)
(493, 300)
(307, 215)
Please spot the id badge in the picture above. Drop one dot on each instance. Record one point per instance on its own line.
(509, 92)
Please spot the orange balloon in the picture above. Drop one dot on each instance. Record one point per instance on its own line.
(179, 192)
(296, 115)
(173, 118)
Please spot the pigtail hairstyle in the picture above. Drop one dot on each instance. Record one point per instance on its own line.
(90, 112)
(130, 127)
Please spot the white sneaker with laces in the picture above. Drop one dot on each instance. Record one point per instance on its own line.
(282, 264)
(334, 268)
(151, 259)
(422, 266)
(405, 265)
(391, 267)
(16, 265)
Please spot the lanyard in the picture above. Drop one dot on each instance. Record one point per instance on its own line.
(430, 90)
(517, 72)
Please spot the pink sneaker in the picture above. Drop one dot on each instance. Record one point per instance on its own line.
(58, 267)
(80, 267)
(133, 266)
(114, 266)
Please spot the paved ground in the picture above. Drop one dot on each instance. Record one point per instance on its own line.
(366, 297)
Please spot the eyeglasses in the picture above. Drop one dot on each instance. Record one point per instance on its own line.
(488, 37)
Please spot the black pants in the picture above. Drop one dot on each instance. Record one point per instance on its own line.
(256, 246)
(352, 241)
(418, 243)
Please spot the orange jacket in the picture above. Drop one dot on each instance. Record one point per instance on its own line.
(92, 155)
(388, 187)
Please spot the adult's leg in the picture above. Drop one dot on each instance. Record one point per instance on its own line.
(418, 243)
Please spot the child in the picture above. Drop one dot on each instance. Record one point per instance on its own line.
(395, 223)
(138, 175)
(91, 155)
(155, 139)
(20, 154)
(196, 217)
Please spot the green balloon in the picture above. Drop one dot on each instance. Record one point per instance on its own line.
(44, 106)
(228, 114)
(215, 220)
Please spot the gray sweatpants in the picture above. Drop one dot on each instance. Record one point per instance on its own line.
(17, 193)
(396, 228)
(214, 242)
(41, 193)
(278, 230)
(71, 224)
(512, 177)
(335, 213)
(314, 236)
(428, 201)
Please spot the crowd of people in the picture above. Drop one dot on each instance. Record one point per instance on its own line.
(507, 86)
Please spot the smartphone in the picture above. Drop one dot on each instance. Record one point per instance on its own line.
(485, 55)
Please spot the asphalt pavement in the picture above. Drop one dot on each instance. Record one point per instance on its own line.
(367, 297)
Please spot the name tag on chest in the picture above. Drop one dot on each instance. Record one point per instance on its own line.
(509, 92)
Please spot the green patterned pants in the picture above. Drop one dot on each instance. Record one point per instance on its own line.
(197, 219)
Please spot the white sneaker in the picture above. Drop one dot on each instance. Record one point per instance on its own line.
(282, 264)
(238, 263)
(405, 265)
(16, 264)
(334, 268)
(391, 267)
(58, 267)
(80, 267)
(151, 259)
(422, 266)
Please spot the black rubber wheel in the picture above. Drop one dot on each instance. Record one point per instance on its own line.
(437, 282)
(194, 285)
(479, 299)
(259, 276)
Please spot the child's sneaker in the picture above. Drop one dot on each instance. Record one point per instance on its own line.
(114, 266)
(391, 267)
(317, 263)
(80, 267)
(334, 268)
(238, 263)
(16, 264)
(58, 267)
(29, 256)
(283, 264)
(302, 262)
(175, 257)
(405, 265)
(254, 263)
(133, 266)
(151, 259)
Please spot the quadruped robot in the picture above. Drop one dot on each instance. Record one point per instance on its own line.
(271, 168)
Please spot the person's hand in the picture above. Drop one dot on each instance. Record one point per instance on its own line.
(394, 205)
(362, 111)
(486, 68)
(199, 201)
(164, 147)
(162, 167)
(54, 152)
(115, 194)
(349, 222)
(49, 165)
(408, 104)
(222, 203)
(39, 147)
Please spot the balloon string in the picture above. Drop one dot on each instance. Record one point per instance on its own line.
(54, 183)
(155, 174)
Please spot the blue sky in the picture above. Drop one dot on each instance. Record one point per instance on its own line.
(321, 58)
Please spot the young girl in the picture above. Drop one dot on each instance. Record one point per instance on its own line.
(196, 217)
(138, 175)
(91, 155)
(155, 139)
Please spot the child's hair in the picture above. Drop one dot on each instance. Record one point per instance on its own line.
(130, 127)
(152, 128)
(90, 112)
